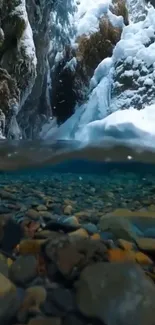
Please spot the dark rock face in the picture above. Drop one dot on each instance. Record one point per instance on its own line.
(39, 14)
(151, 1)
(17, 58)
(64, 97)
(24, 40)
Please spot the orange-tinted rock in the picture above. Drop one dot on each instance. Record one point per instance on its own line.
(95, 237)
(79, 232)
(34, 298)
(119, 255)
(126, 245)
(30, 246)
(143, 259)
(71, 253)
(146, 244)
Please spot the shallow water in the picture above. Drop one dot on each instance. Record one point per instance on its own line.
(99, 178)
(67, 189)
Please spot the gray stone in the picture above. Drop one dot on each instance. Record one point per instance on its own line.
(23, 270)
(119, 226)
(116, 294)
(9, 302)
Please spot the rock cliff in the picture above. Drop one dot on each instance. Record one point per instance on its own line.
(24, 40)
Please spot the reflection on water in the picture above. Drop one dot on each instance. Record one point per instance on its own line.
(16, 155)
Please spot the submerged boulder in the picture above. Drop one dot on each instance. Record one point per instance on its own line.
(116, 294)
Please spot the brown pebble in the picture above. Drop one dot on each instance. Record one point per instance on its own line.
(34, 298)
(79, 232)
(31, 213)
(30, 246)
(41, 208)
(68, 210)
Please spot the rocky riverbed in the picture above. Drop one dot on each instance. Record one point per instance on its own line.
(77, 249)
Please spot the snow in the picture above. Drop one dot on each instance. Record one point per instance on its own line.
(27, 37)
(148, 82)
(87, 17)
(101, 117)
(101, 71)
(134, 41)
(131, 126)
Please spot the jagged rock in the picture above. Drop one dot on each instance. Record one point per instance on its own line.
(9, 95)
(73, 253)
(31, 114)
(18, 58)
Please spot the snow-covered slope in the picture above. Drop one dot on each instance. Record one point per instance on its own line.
(120, 84)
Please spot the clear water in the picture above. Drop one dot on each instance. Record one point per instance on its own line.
(91, 182)
(100, 179)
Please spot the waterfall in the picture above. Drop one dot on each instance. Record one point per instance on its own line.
(120, 85)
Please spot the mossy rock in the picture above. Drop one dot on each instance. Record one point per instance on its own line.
(14, 25)
(9, 91)
(1, 37)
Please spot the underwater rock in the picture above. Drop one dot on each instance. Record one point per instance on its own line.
(59, 302)
(146, 244)
(9, 302)
(70, 254)
(34, 297)
(119, 255)
(120, 227)
(32, 114)
(23, 270)
(121, 288)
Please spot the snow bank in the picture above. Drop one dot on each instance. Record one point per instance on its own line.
(136, 39)
(88, 16)
(131, 126)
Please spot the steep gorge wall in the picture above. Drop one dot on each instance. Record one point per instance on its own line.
(30, 117)
(24, 40)
(17, 61)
